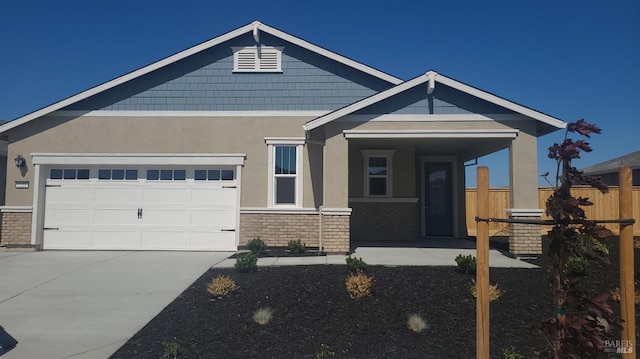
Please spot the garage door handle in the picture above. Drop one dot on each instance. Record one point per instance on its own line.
(51, 228)
(229, 187)
(227, 230)
(139, 213)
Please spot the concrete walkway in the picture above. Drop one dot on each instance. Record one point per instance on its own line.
(86, 305)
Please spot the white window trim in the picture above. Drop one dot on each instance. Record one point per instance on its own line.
(388, 154)
(256, 50)
(271, 192)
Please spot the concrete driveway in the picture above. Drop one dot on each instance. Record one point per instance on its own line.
(81, 305)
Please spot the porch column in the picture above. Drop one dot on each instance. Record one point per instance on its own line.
(523, 172)
(335, 212)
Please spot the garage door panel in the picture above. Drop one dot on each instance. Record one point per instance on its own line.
(118, 195)
(166, 195)
(69, 194)
(116, 239)
(219, 196)
(55, 217)
(167, 217)
(219, 218)
(158, 239)
(116, 216)
(67, 239)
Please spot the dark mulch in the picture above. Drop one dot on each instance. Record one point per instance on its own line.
(312, 308)
(282, 252)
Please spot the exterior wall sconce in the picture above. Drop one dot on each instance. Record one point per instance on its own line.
(19, 161)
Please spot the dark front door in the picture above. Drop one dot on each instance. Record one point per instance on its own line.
(438, 199)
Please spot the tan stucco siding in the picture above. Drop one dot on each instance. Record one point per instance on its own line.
(159, 135)
(523, 167)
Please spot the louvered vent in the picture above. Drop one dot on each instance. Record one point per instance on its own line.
(250, 59)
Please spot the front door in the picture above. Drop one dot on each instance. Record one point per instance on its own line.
(438, 199)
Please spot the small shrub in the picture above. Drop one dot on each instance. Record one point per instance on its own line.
(263, 315)
(511, 353)
(590, 244)
(296, 247)
(221, 286)
(170, 350)
(247, 263)
(325, 352)
(359, 285)
(636, 242)
(466, 264)
(257, 246)
(494, 292)
(416, 323)
(356, 264)
(577, 266)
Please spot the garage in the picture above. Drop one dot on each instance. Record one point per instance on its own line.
(140, 207)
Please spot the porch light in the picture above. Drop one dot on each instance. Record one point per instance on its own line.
(19, 161)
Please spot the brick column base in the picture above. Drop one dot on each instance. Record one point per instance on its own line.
(525, 239)
(335, 232)
(16, 230)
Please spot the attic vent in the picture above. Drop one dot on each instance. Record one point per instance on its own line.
(257, 59)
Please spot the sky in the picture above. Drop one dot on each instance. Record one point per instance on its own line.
(569, 59)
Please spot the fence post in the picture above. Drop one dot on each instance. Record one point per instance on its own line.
(627, 292)
(482, 268)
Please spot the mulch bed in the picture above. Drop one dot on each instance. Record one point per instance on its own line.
(312, 308)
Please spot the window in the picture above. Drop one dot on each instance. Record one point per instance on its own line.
(377, 173)
(257, 59)
(166, 175)
(117, 174)
(69, 173)
(285, 165)
(213, 175)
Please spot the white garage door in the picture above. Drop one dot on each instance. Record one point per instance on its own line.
(140, 209)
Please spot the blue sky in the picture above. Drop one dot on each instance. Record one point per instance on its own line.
(569, 59)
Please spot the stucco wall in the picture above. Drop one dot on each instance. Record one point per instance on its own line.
(161, 135)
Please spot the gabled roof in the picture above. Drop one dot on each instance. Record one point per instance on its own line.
(252, 27)
(437, 78)
(632, 160)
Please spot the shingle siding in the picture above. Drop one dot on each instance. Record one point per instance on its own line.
(444, 100)
(205, 82)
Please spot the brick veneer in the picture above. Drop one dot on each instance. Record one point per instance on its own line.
(16, 228)
(277, 229)
(525, 238)
(384, 221)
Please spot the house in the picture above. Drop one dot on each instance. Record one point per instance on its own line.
(260, 133)
(608, 170)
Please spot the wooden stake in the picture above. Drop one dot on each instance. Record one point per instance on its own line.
(482, 267)
(627, 291)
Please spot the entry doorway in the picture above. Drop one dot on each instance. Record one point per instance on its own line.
(438, 197)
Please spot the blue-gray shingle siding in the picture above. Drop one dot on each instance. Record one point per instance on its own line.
(205, 82)
(444, 100)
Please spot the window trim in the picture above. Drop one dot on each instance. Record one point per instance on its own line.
(272, 142)
(257, 65)
(388, 154)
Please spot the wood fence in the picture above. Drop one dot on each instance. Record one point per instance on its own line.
(606, 206)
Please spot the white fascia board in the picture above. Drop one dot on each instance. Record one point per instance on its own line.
(110, 113)
(284, 140)
(16, 209)
(332, 55)
(393, 134)
(130, 76)
(162, 159)
(463, 117)
(549, 120)
(365, 102)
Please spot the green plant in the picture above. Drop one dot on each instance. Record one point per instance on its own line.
(257, 246)
(221, 286)
(247, 263)
(296, 246)
(576, 329)
(416, 323)
(577, 266)
(494, 292)
(466, 264)
(170, 350)
(356, 264)
(325, 352)
(511, 353)
(615, 295)
(263, 315)
(359, 285)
